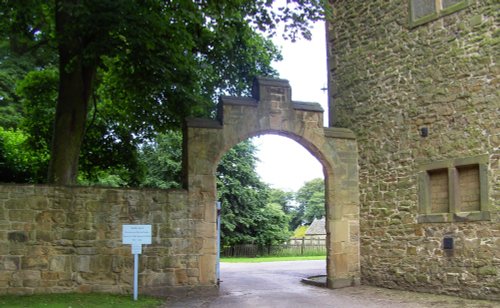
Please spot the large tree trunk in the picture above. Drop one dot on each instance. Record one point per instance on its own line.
(75, 86)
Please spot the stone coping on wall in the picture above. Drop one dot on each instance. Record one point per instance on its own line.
(244, 101)
(85, 187)
(248, 101)
(340, 133)
(307, 106)
(203, 123)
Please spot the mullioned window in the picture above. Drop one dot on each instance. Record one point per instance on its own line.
(454, 190)
(423, 11)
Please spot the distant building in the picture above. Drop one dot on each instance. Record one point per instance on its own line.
(316, 233)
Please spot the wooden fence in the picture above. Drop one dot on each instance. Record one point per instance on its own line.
(294, 247)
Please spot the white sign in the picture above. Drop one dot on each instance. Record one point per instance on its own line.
(136, 234)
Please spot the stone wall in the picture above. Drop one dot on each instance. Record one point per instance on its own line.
(61, 239)
(389, 83)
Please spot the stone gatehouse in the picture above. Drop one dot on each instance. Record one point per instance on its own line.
(59, 239)
(417, 82)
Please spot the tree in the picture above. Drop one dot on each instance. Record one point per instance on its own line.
(315, 207)
(242, 193)
(109, 155)
(18, 163)
(162, 159)
(23, 48)
(161, 60)
(283, 198)
(311, 200)
(248, 216)
(273, 228)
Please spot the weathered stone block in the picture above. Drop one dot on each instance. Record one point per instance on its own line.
(35, 261)
(19, 290)
(49, 275)
(5, 276)
(487, 271)
(86, 235)
(86, 250)
(82, 263)
(15, 203)
(157, 279)
(21, 215)
(45, 236)
(60, 263)
(17, 236)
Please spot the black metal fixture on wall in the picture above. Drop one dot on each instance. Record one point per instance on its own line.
(424, 131)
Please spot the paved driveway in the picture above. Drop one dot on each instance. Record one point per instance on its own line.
(277, 284)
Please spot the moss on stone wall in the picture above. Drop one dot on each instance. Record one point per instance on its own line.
(388, 82)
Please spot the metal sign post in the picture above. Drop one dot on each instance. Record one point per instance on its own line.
(217, 266)
(136, 235)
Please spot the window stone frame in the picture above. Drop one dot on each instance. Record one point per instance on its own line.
(454, 214)
(439, 12)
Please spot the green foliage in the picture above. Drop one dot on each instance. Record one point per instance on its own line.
(315, 206)
(246, 215)
(38, 94)
(110, 149)
(23, 48)
(283, 198)
(113, 177)
(145, 67)
(241, 193)
(78, 301)
(109, 157)
(273, 228)
(10, 72)
(18, 162)
(311, 202)
(184, 72)
(306, 251)
(163, 161)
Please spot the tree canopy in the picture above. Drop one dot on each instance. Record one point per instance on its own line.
(247, 215)
(95, 91)
(311, 202)
(129, 69)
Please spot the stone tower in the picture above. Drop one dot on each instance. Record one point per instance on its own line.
(417, 82)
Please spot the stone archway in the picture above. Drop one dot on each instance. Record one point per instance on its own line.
(271, 110)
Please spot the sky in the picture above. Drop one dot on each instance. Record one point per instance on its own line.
(284, 163)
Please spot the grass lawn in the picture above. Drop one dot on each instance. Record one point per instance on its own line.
(271, 259)
(74, 300)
